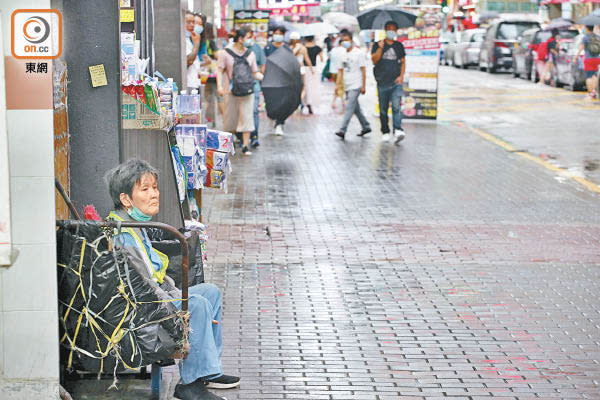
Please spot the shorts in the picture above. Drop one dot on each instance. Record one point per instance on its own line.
(590, 66)
(239, 113)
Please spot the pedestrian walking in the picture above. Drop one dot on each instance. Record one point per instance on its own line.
(299, 51)
(277, 42)
(388, 57)
(311, 77)
(549, 49)
(236, 73)
(261, 61)
(353, 72)
(590, 46)
(335, 60)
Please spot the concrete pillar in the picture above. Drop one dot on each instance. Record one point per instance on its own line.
(28, 307)
(92, 36)
(169, 39)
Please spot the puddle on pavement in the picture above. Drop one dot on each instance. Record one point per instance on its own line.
(591, 165)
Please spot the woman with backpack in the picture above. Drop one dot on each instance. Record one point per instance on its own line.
(590, 46)
(236, 72)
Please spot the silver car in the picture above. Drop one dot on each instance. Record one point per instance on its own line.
(467, 50)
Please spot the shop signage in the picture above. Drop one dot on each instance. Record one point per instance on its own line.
(301, 11)
(257, 19)
(422, 47)
(285, 4)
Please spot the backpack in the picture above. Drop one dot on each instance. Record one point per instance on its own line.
(542, 50)
(242, 78)
(593, 45)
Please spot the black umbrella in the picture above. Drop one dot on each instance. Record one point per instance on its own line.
(376, 18)
(559, 23)
(282, 84)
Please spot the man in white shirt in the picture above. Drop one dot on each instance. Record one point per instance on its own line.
(352, 71)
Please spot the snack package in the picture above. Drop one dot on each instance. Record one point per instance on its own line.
(196, 130)
(221, 141)
(215, 179)
(217, 160)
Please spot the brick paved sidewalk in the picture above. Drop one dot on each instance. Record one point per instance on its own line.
(445, 267)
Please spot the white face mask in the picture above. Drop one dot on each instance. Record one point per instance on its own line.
(390, 35)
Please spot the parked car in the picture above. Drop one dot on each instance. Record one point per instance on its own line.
(500, 39)
(569, 73)
(451, 48)
(523, 53)
(467, 50)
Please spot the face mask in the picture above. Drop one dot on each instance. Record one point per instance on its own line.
(278, 38)
(188, 34)
(390, 35)
(198, 29)
(248, 43)
(136, 214)
(346, 44)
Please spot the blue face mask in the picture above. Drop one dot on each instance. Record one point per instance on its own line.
(188, 34)
(346, 44)
(278, 38)
(198, 29)
(248, 43)
(136, 214)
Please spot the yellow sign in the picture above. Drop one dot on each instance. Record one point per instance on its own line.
(98, 75)
(127, 15)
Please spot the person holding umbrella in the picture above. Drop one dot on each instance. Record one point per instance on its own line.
(388, 57)
(277, 42)
(590, 46)
(352, 72)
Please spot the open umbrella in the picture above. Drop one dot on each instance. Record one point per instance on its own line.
(341, 20)
(319, 29)
(282, 84)
(559, 23)
(375, 18)
(592, 19)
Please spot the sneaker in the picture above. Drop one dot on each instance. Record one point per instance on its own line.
(364, 132)
(399, 135)
(224, 382)
(246, 151)
(254, 143)
(310, 111)
(385, 137)
(305, 110)
(340, 134)
(279, 130)
(194, 391)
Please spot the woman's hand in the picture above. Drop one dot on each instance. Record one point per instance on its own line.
(215, 322)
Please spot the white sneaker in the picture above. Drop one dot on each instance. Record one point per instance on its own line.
(399, 135)
(385, 137)
(279, 130)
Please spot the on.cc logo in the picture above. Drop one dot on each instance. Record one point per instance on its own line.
(36, 29)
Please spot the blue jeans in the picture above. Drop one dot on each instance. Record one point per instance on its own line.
(204, 305)
(254, 134)
(353, 108)
(386, 94)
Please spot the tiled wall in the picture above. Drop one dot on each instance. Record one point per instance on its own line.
(28, 299)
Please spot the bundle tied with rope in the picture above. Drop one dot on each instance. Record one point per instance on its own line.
(111, 317)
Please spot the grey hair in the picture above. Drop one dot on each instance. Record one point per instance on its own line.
(123, 178)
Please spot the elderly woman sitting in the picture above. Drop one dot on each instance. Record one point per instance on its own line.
(133, 187)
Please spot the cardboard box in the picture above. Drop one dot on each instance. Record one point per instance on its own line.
(136, 115)
(190, 118)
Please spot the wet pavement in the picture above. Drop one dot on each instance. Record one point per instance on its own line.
(444, 267)
(553, 124)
